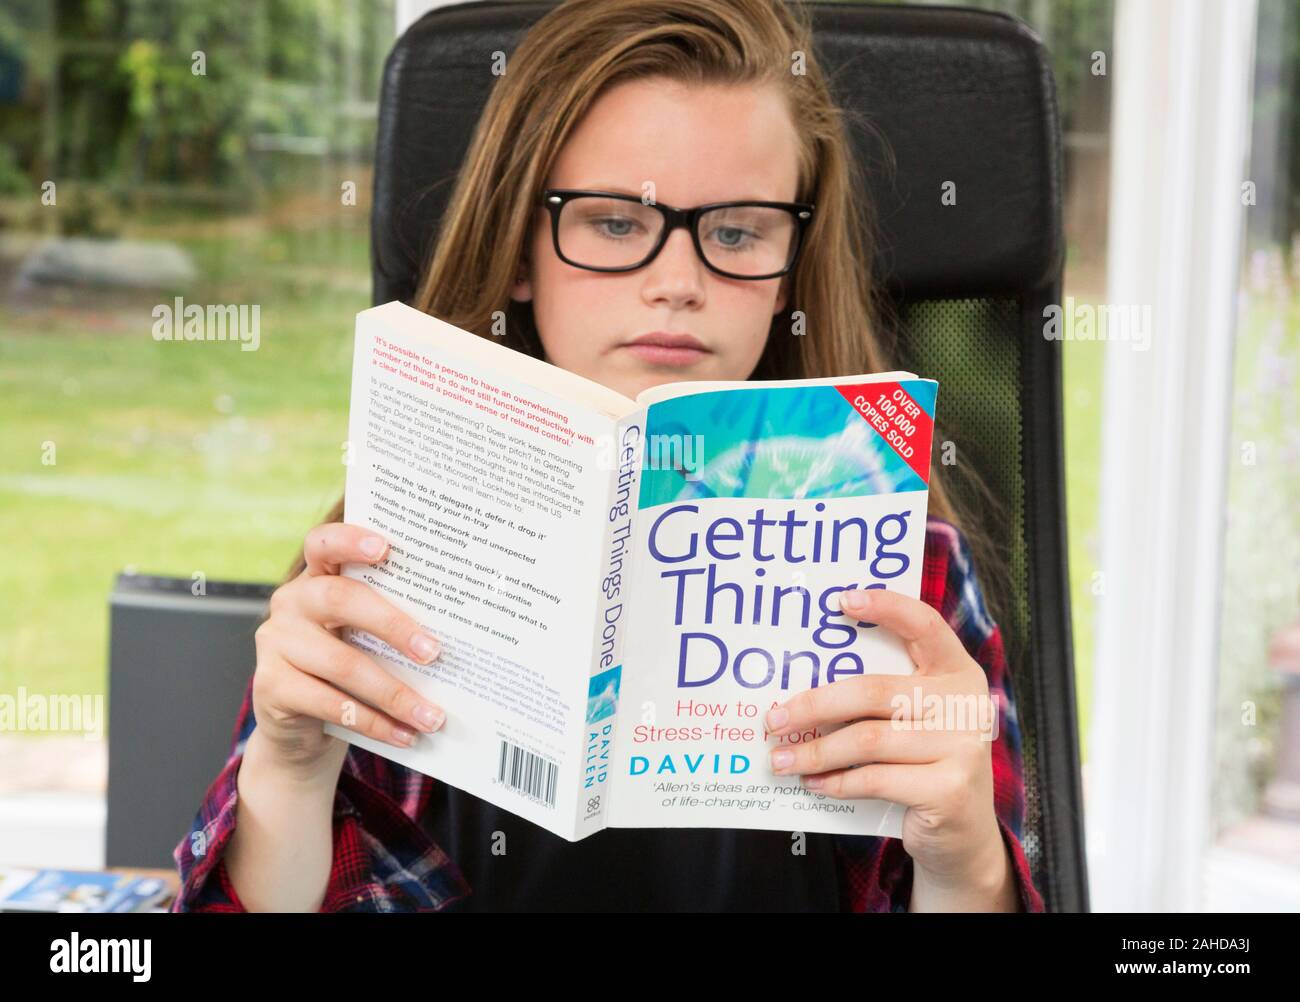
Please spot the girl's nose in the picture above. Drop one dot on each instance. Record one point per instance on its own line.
(677, 271)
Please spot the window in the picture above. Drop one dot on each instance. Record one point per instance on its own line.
(159, 156)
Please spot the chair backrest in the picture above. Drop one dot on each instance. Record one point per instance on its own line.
(953, 96)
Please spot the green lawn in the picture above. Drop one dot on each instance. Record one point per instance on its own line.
(172, 458)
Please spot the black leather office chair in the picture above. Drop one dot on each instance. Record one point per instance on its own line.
(954, 95)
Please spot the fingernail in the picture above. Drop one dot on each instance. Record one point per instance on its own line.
(372, 546)
(402, 736)
(781, 759)
(429, 716)
(857, 598)
(813, 782)
(777, 717)
(424, 646)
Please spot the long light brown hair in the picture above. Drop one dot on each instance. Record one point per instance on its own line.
(563, 64)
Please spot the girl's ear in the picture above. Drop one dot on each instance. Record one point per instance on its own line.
(782, 294)
(522, 291)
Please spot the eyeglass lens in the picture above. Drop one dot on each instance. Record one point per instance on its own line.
(614, 233)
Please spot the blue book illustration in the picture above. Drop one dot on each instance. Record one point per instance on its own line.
(55, 890)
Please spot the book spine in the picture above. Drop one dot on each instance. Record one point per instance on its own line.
(624, 456)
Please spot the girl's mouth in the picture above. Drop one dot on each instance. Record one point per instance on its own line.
(665, 348)
(658, 354)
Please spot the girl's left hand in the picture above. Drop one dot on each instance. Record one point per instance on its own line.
(922, 740)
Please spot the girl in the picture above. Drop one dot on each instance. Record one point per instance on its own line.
(693, 101)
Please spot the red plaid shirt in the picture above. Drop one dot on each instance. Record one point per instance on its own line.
(385, 859)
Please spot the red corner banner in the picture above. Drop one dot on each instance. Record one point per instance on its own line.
(900, 420)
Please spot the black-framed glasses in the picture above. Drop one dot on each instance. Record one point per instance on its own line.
(608, 231)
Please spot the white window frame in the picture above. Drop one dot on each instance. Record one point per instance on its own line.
(410, 11)
(1180, 118)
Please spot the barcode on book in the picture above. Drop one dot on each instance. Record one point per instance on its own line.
(527, 773)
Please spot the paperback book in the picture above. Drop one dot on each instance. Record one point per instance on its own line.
(623, 588)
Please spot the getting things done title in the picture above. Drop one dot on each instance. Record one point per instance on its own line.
(694, 550)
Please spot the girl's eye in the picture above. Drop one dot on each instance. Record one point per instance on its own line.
(736, 239)
(615, 226)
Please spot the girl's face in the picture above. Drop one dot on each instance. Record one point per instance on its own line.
(697, 145)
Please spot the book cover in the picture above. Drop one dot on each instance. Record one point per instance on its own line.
(52, 890)
(757, 506)
(622, 587)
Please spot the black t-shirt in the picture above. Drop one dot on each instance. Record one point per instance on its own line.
(628, 869)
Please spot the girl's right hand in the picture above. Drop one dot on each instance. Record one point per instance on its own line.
(307, 674)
